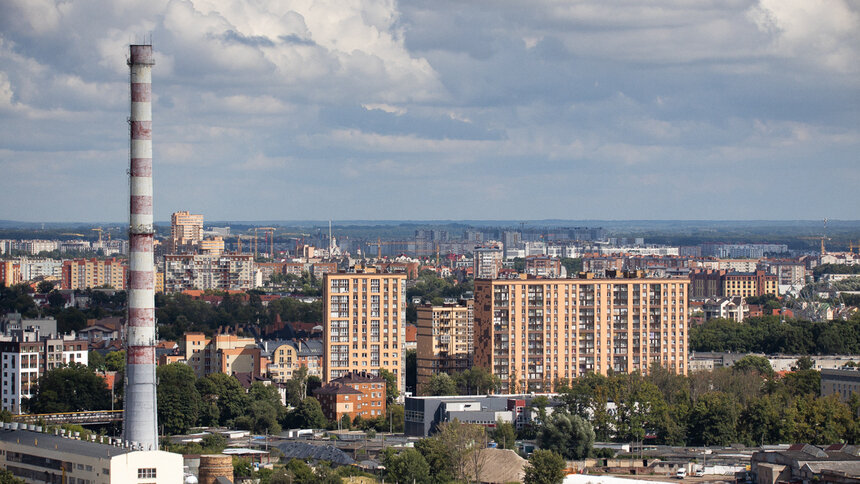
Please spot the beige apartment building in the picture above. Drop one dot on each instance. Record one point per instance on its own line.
(364, 323)
(223, 353)
(186, 231)
(89, 273)
(445, 342)
(532, 333)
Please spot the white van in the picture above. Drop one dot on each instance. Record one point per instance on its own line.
(682, 473)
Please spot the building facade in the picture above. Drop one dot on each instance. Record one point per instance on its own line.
(488, 262)
(364, 323)
(543, 266)
(41, 457)
(748, 284)
(223, 353)
(290, 356)
(201, 271)
(445, 339)
(27, 359)
(90, 273)
(533, 332)
(354, 394)
(186, 231)
(10, 273)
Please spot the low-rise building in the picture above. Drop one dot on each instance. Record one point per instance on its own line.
(223, 353)
(354, 394)
(289, 356)
(734, 308)
(41, 457)
(842, 382)
(837, 464)
(424, 414)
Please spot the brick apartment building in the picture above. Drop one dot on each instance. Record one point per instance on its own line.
(445, 339)
(353, 394)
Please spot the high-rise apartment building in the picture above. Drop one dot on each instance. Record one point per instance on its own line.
(10, 273)
(445, 339)
(532, 333)
(488, 262)
(89, 273)
(200, 271)
(364, 326)
(186, 231)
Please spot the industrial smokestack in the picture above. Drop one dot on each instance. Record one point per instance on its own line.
(140, 422)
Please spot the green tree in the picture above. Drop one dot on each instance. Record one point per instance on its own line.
(755, 363)
(227, 394)
(179, 402)
(44, 287)
(95, 360)
(566, 434)
(438, 457)
(394, 418)
(71, 388)
(505, 435)
(713, 419)
(461, 440)
(476, 381)
(308, 414)
(301, 472)
(406, 466)
(6, 477)
(115, 361)
(391, 385)
(544, 467)
(441, 384)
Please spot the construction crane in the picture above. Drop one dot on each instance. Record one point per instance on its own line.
(380, 243)
(99, 230)
(76, 235)
(269, 232)
(239, 238)
(822, 238)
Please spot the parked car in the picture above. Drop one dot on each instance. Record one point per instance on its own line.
(682, 473)
(699, 472)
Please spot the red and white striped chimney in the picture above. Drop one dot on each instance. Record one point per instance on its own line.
(140, 423)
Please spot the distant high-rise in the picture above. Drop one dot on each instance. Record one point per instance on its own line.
(140, 422)
(186, 231)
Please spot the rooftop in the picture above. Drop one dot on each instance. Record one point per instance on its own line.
(62, 444)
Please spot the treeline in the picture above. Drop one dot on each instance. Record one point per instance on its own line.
(743, 404)
(770, 335)
(179, 313)
(19, 298)
(836, 269)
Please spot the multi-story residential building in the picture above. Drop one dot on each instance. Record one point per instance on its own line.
(747, 284)
(10, 273)
(213, 246)
(364, 323)
(224, 353)
(353, 394)
(706, 283)
(186, 231)
(543, 266)
(445, 343)
(34, 247)
(533, 332)
(788, 272)
(200, 271)
(488, 262)
(89, 273)
(40, 268)
(27, 357)
(289, 356)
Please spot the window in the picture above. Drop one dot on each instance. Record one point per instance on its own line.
(146, 473)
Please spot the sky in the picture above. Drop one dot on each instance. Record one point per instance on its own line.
(383, 109)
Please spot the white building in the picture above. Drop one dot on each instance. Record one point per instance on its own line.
(40, 457)
(27, 357)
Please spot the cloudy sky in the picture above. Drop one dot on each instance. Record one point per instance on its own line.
(384, 109)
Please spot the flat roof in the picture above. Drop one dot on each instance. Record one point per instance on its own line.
(65, 445)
